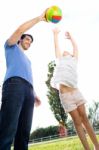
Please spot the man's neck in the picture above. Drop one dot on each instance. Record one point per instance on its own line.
(20, 46)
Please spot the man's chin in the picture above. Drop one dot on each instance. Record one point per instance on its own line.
(26, 48)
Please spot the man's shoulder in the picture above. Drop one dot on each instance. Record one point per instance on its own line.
(7, 46)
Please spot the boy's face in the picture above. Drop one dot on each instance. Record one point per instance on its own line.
(26, 42)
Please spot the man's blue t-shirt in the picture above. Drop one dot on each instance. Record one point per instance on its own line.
(17, 63)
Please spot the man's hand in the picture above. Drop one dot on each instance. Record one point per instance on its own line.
(37, 101)
(43, 16)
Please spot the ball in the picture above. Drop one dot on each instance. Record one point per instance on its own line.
(53, 14)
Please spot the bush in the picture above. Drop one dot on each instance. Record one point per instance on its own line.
(44, 132)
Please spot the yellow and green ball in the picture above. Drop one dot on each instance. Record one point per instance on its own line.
(54, 14)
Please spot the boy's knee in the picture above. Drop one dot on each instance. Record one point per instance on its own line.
(77, 121)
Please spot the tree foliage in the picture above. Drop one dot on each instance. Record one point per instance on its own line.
(53, 97)
(44, 132)
(93, 114)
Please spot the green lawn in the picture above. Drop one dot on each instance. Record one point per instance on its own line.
(60, 144)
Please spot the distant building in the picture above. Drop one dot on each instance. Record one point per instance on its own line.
(62, 130)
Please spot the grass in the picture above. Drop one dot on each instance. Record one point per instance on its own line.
(60, 144)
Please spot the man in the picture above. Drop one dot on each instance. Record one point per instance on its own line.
(18, 94)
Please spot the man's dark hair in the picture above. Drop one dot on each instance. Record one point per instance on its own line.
(23, 36)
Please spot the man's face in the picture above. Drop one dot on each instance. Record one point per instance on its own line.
(26, 42)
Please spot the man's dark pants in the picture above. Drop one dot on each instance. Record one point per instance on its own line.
(16, 114)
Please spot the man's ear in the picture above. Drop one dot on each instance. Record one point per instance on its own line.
(20, 40)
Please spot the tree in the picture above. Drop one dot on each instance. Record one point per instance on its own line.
(93, 114)
(44, 132)
(53, 97)
(71, 128)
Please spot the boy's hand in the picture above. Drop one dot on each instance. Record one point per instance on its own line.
(56, 31)
(67, 35)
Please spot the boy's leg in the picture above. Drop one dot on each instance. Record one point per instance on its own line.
(85, 120)
(78, 125)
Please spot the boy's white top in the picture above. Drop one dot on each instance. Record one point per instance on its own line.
(65, 72)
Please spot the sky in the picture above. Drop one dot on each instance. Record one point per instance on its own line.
(81, 18)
